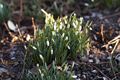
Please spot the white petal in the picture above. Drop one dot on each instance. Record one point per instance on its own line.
(66, 38)
(74, 76)
(51, 51)
(68, 47)
(47, 43)
(11, 26)
(60, 26)
(1, 5)
(63, 35)
(55, 26)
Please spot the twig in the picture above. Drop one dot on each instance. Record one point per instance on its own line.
(100, 71)
(116, 40)
(116, 44)
(19, 31)
(91, 65)
(34, 27)
(24, 63)
(111, 15)
(102, 34)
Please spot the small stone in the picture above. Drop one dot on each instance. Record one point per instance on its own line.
(94, 71)
(104, 78)
(13, 58)
(84, 58)
(109, 58)
(8, 79)
(91, 55)
(84, 76)
(90, 60)
(86, 17)
(97, 60)
(110, 47)
(3, 70)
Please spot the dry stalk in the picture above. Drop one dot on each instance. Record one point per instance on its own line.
(34, 27)
(115, 41)
(102, 32)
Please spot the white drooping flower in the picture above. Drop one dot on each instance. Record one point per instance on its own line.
(53, 40)
(55, 26)
(80, 28)
(74, 25)
(76, 22)
(68, 47)
(51, 51)
(41, 57)
(68, 26)
(34, 47)
(11, 26)
(1, 5)
(81, 20)
(38, 65)
(39, 71)
(53, 33)
(66, 38)
(48, 43)
(65, 19)
(63, 35)
(28, 37)
(76, 33)
(61, 26)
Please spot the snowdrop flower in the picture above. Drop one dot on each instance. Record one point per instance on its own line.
(1, 5)
(38, 65)
(81, 20)
(80, 28)
(55, 26)
(61, 26)
(74, 76)
(12, 26)
(39, 71)
(76, 33)
(66, 38)
(76, 22)
(68, 26)
(34, 47)
(68, 47)
(48, 43)
(28, 38)
(53, 40)
(65, 19)
(41, 57)
(51, 51)
(74, 25)
(63, 35)
(53, 33)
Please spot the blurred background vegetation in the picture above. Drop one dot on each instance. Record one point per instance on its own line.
(32, 8)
